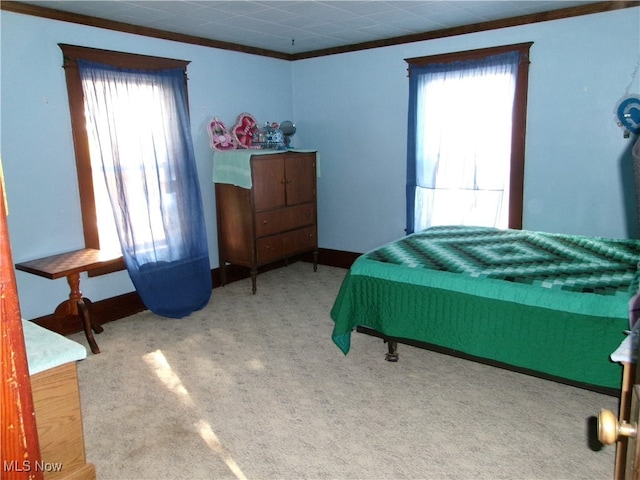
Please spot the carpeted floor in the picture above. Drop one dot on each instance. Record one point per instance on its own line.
(252, 387)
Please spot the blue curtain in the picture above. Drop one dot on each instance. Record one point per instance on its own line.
(139, 134)
(459, 142)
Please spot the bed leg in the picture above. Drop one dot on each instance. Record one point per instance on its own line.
(392, 354)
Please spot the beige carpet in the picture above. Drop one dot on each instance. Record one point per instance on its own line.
(252, 387)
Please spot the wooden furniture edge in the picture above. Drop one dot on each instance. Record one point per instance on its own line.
(88, 472)
(58, 412)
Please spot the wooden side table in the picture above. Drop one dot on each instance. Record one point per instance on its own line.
(70, 265)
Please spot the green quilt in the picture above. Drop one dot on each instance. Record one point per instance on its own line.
(552, 303)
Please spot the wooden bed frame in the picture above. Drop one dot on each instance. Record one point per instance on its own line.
(56, 399)
(393, 355)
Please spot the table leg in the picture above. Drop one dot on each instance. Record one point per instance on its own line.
(79, 307)
(83, 313)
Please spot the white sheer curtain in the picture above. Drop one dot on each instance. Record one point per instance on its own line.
(462, 141)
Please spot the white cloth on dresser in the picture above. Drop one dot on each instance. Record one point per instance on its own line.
(234, 166)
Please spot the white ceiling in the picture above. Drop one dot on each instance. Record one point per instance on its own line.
(292, 27)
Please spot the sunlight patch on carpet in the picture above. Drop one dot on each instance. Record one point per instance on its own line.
(160, 366)
(255, 365)
(158, 363)
(211, 439)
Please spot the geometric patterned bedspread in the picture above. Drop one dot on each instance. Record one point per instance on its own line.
(573, 263)
(548, 303)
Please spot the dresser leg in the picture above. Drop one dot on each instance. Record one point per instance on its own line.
(254, 275)
(315, 260)
(223, 272)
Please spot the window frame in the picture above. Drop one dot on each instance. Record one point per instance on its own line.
(71, 54)
(519, 119)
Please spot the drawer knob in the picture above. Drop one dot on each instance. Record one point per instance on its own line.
(264, 222)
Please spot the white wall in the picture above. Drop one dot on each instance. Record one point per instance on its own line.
(353, 108)
(37, 147)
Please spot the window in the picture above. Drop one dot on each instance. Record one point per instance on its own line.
(132, 132)
(125, 124)
(97, 216)
(467, 116)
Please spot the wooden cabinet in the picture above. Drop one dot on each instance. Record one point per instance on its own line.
(274, 219)
(58, 412)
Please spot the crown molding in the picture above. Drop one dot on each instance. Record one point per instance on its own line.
(53, 14)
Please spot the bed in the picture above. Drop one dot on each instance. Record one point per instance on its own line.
(547, 304)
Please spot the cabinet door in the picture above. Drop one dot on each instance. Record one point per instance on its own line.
(300, 173)
(268, 181)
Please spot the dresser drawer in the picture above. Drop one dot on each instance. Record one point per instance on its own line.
(302, 240)
(284, 219)
(286, 244)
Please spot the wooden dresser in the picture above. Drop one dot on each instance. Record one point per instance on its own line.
(272, 216)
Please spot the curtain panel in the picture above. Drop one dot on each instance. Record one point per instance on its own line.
(140, 138)
(459, 142)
